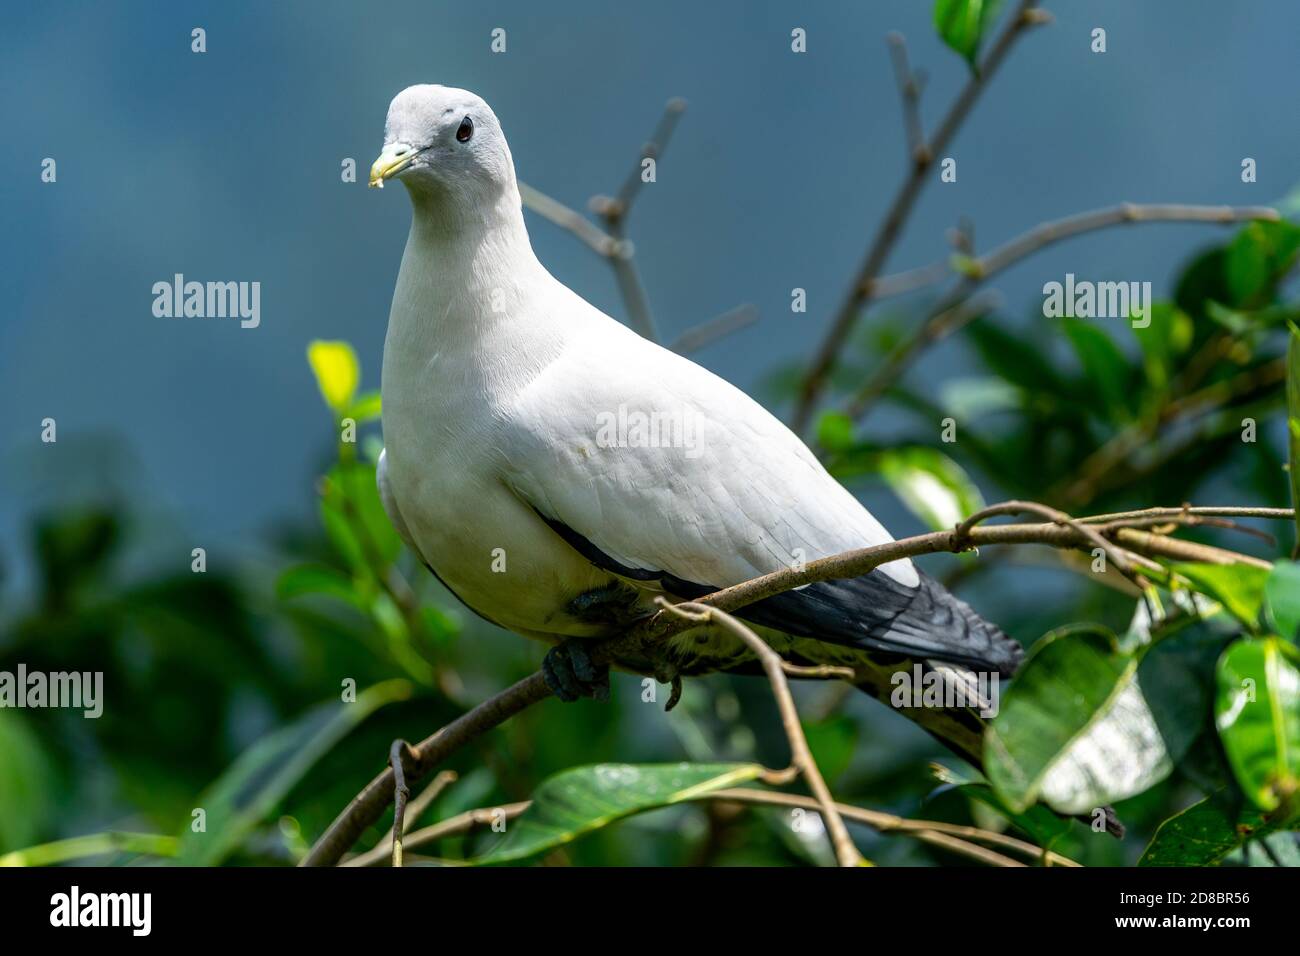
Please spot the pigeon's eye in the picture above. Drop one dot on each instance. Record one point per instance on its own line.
(465, 130)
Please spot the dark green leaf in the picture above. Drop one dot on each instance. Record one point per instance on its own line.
(577, 801)
(833, 743)
(261, 777)
(1072, 682)
(1104, 365)
(1205, 833)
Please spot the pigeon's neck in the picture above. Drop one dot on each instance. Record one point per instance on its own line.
(462, 261)
(465, 296)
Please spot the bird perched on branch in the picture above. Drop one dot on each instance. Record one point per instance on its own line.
(557, 471)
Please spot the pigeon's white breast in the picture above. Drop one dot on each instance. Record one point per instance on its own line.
(444, 406)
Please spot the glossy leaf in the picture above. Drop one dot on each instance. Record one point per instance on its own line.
(1282, 598)
(1238, 587)
(932, 485)
(1257, 711)
(962, 23)
(1071, 680)
(578, 801)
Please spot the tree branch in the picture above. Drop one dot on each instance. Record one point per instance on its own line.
(862, 291)
(801, 758)
(370, 804)
(951, 314)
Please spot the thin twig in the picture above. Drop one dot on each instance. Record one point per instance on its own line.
(801, 757)
(946, 316)
(889, 823)
(1024, 16)
(399, 754)
(614, 211)
(1116, 557)
(453, 826)
(909, 89)
(714, 330)
(561, 215)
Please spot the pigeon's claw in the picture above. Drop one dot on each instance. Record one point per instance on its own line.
(570, 672)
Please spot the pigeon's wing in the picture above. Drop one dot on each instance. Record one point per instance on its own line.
(657, 470)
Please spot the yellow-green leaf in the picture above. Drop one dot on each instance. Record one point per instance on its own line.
(337, 372)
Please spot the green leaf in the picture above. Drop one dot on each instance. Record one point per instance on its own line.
(967, 399)
(932, 485)
(1205, 833)
(1260, 254)
(337, 372)
(1282, 598)
(1042, 825)
(93, 844)
(308, 579)
(1104, 365)
(1014, 360)
(355, 519)
(261, 777)
(961, 24)
(1070, 680)
(833, 743)
(583, 799)
(1293, 418)
(1163, 341)
(366, 408)
(1238, 587)
(1257, 711)
(835, 431)
(26, 783)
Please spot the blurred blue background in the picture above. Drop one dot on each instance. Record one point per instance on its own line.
(226, 166)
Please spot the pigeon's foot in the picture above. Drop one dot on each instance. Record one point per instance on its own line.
(570, 672)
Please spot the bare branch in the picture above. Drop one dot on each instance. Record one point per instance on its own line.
(909, 89)
(715, 329)
(951, 836)
(1023, 17)
(949, 315)
(566, 218)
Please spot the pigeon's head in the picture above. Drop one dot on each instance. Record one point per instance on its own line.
(444, 141)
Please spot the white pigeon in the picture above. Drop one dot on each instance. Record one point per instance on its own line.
(556, 471)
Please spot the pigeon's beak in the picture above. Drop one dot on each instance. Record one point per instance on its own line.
(394, 158)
